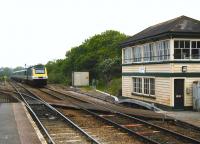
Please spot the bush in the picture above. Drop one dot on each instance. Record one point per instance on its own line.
(114, 87)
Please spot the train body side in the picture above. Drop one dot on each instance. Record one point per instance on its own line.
(35, 75)
(19, 75)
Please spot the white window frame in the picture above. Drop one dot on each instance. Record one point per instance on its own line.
(183, 48)
(153, 54)
(127, 58)
(142, 93)
(138, 86)
(149, 86)
(163, 52)
(137, 54)
(147, 53)
(184, 39)
(194, 48)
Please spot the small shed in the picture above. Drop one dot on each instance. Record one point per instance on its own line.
(80, 78)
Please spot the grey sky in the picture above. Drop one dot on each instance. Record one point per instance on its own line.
(37, 31)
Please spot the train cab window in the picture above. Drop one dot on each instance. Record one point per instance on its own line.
(39, 70)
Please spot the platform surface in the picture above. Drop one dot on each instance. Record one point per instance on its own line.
(15, 127)
(191, 117)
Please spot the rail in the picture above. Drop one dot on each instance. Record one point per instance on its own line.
(64, 117)
(140, 120)
(49, 139)
(145, 139)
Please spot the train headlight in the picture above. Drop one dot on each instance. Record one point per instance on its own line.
(34, 77)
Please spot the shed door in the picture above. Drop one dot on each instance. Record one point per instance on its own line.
(179, 93)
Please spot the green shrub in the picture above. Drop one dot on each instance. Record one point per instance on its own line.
(113, 87)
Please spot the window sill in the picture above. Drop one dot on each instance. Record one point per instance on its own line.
(142, 95)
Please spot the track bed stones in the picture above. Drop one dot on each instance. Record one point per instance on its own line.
(146, 130)
(58, 129)
(177, 127)
(105, 133)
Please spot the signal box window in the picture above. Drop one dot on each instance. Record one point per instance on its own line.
(195, 50)
(181, 49)
(137, 85)
(149, 86)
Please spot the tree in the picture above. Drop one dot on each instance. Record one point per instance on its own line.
(110, 68)
(5, 72)
(18, 68)
(94, 55)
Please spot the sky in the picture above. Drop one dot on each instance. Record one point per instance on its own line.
(38, 31)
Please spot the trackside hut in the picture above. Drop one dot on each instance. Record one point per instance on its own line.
(160, 63)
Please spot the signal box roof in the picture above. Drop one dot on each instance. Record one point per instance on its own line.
(180, 27)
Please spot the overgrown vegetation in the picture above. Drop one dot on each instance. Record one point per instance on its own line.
(113, 87)
(100, 55)
(6, 71)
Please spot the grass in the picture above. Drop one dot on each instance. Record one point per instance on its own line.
(87, 88)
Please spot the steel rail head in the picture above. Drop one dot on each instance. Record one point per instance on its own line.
(195, 141)
(50, 140)
(93, 140)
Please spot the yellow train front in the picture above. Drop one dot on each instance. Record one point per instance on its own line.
(37, 75)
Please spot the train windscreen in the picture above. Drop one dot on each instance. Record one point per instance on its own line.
(39, 70)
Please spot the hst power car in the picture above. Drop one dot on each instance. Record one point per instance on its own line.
(35, 75)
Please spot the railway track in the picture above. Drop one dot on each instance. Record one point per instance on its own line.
(104, 132)
(56, 127)
(145, 131)
(151, 131)
(101, 131)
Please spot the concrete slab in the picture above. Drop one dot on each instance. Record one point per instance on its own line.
(26, 131)
(8, 127)
(191, 117)
(15, 127)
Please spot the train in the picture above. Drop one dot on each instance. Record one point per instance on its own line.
(35, 75)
